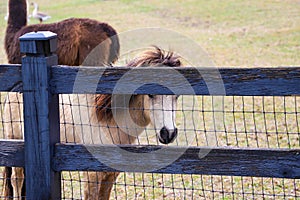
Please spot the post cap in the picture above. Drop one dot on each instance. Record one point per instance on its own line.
(41, 42)
(40, 35)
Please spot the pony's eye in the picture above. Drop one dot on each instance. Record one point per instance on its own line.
(151, 96)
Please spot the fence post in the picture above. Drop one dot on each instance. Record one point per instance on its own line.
(41, 115)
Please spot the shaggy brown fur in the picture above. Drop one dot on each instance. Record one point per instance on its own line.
(76, 39)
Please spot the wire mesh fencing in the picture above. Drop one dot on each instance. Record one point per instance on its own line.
(231, 121)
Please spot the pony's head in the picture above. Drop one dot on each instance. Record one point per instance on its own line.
(159, 110)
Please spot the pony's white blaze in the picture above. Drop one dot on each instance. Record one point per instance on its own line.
(163, 115)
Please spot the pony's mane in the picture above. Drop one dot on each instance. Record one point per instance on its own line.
(154, 57)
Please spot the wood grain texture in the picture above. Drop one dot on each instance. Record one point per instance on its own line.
(36, 127)
(280, 163)
(41, 181)
(281, 81)
(54, 131)
(11, 153)
(10, 78)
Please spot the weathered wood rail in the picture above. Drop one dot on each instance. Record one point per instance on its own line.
(283, 81)
(257, 162)
(280, 81)
(41, 80)
(10, 78)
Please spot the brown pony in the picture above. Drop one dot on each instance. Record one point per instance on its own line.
(108, 117)
(100, 120)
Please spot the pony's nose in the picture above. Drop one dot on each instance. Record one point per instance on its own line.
(166, 137)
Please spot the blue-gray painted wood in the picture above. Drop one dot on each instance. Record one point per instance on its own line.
(11, 153)
(10, 78)
(34, 42)
(279, 163)
(54, 131)
(281, 81)
(37, 36)
(41, 181)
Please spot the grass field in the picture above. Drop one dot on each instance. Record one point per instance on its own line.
(238, 33)
(234, 33)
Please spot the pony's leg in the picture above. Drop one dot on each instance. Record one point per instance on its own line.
(92, 181)
(17, 180)
(12, 128)
(107, 182)
(7, 191)
(98, 185)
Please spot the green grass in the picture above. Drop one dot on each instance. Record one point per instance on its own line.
(235, 33)
(239, 33)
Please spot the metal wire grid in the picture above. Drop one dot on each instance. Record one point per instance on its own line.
(263, 122)
(258, 122)
(171, 186)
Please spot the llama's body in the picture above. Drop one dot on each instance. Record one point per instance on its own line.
(77, 37)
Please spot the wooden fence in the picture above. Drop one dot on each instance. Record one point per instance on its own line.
(41, 80)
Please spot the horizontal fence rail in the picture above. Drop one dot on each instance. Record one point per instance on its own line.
(258, 162)
(12, 153)
(282, 81)
(10, 78)
(280, 163)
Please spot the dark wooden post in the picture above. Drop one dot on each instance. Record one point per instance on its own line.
(41, 115)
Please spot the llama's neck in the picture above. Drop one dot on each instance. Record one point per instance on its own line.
(17, 18)
(17, 15)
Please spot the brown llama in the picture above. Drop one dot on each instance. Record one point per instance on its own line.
(77, 37)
